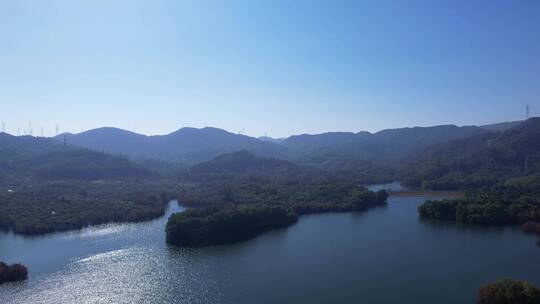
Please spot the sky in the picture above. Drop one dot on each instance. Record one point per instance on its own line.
(266, 67)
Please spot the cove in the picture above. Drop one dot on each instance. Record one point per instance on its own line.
(383, 255)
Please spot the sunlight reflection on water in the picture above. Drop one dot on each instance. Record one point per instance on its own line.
(326, 258)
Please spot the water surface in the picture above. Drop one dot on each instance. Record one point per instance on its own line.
(384, 255)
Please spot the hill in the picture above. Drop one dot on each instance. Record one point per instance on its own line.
(362, 151)
(477, 161)
(244, 162)
(372, 157)
(40, 159)
(502, 126)
(271, 139)
(186, 146)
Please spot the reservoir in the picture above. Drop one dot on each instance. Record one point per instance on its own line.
(383, 255)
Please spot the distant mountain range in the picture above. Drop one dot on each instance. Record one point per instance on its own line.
(329, 151)
(417, 155)
(186, 146)
(27, 158)
(341, 151)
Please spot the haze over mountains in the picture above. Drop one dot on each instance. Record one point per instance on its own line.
(412, 154)
(477, 161)
(26, 158)
(333, 150)
(186, 146)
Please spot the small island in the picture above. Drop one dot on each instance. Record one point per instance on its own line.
(12, 273)
(230, 213)
(212, 226)
(508, 291)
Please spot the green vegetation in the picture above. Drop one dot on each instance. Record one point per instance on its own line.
(501, 172)
(213, 226)
(308, 195)
(50, 207)
(508, 292)
(344, 151)
(479, 161)
(243, 209)
(12, 273)
(46, 186)
(514, 202)
(29, 159)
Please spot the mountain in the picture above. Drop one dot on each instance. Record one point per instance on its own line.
(337, 151)
(479, 160)
(503, 126)
(41, 159)
(271, 139)
(353, 151)
(244, 162)
(308, 142)
(110, 140)
(187, 145)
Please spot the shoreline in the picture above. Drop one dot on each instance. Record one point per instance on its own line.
(417, 193)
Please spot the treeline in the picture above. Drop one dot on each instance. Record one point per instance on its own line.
(241, 210)
(508, 292)
(214, 226)
(308, 195)
(515, 202)
(12, 273)
(480, 211)
(50, 207)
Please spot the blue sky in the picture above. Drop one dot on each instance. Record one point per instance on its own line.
(281, 67)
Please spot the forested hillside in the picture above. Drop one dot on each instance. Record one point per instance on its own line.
(246, 163)
(477, 161)
(27, 158)
(349, 151)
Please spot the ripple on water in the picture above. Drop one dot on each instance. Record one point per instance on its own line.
(128, 275)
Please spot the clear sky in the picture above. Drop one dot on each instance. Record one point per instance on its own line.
(281, 67)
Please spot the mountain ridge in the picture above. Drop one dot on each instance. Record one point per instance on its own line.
(45, 159)
(477, 161)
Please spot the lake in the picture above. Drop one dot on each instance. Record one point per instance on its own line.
(384, 255)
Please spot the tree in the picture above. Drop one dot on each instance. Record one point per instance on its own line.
(509, 292)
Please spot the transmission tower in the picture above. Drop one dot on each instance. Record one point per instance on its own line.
(30, 132)
(528, 111)
(57, 130)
